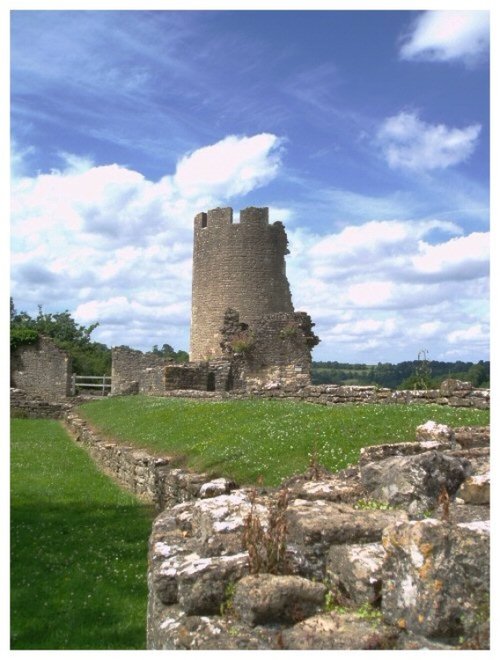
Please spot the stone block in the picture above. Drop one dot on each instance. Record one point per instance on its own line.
(414, 482)
(435, 577)
(339, 631)
(475, 489)
(315, 526)
(355, 571)
(434, 432)
(277, 598)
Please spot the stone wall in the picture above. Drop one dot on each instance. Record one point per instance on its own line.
(277, 365)
(134, 372)
(451, 393)
(334, 561)
(238, 265)
(273, 348)
(192, 376)
(42, 369)
(351, 560)
(31, 406)
(154, 479)
(461, 396)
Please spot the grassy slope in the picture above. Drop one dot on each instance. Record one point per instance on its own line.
(263, 440)
(78, 548)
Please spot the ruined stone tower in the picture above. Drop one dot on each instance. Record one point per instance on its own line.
(235, 265)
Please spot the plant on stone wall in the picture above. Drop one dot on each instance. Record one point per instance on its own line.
(22, 336)
(266, 546)
(444, 503)
(289, 331)
(242, 343)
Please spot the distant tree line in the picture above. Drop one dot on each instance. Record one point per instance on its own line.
(404, 375)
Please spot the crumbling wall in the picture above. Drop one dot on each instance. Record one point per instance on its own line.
(42, 369)
(239, 265)
(360, 567)
(458, 394)
(154, 479)
(134, 372)
(275, 348)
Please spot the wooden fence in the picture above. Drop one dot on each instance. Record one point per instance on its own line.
(101, 384)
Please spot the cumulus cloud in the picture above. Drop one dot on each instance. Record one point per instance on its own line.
(460, 258)
(107, 237)
(443, 36)
(409, 143)
(233, 166)
(474, 333)
(390, 286)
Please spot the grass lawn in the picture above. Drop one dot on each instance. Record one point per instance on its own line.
(255, 440)
(78, 548)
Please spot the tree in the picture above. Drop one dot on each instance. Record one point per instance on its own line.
(168, 352)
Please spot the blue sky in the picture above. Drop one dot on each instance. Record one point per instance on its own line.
(365, 132)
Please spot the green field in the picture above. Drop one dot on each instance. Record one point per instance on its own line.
(79, 543)
(78, 548)
(262, 441)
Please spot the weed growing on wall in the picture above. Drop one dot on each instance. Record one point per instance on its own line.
(266, 546)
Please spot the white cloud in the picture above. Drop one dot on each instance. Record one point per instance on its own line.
(443, 36)
(376, 236)
(475, 333)
(105, 236)
(459, 257)
(407, 142)
(233, 166)
(392, 287)
(370, 294)
(113, 247)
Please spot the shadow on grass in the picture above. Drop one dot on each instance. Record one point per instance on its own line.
(78, 575)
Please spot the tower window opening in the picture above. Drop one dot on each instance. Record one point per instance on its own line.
(203, 222)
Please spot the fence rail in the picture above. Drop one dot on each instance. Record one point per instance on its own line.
(101, 383)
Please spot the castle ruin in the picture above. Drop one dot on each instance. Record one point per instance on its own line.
(242, 308)
(244, 330)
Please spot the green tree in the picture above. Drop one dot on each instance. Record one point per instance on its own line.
(168, 352)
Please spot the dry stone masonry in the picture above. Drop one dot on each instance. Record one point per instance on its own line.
(366, 567)
(30, 406)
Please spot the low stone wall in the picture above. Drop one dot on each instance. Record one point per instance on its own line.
(391, 554)
(154, 479)
(30, 406)
(451, 393)
(463, 395)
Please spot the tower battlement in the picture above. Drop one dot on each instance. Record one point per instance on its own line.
(223, 217)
